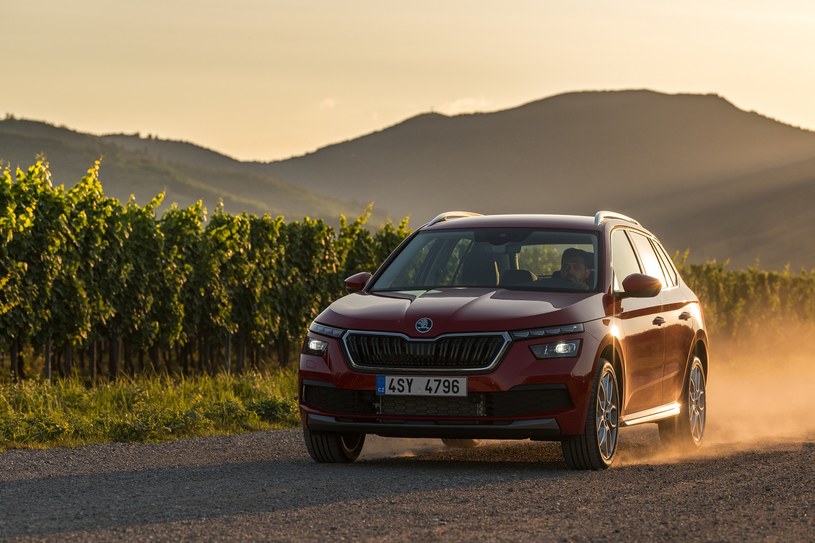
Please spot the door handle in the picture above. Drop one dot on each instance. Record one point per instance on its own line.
(659, 321)
(685, 315)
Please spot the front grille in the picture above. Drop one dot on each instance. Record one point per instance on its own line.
(524, 401)
(454, 352)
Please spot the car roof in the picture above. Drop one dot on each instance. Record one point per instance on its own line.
(577, 222)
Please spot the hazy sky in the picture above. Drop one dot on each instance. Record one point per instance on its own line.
(264, 79)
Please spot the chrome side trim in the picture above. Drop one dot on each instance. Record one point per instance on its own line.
(493, 363)
(652, 415)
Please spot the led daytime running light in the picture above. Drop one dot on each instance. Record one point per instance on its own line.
(542, 332)
(324, 330)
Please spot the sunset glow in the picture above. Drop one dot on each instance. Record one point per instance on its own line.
(266, 80)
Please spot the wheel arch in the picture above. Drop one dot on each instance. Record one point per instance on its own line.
(611, 351)
(701, 350)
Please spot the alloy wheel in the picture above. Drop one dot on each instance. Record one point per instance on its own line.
(696, 402)
(607, 415)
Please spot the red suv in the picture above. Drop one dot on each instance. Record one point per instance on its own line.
(543, 327)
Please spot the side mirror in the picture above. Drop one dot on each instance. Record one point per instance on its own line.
(638, 285)
(357, 282)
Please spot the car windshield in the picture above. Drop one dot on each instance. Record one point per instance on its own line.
(514, 258)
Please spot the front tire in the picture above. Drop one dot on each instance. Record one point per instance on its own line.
(687, 429)
(596, 446)
(332, 448)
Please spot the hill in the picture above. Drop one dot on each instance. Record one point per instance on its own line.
(143, 167)
(699, 172)
(726, 184)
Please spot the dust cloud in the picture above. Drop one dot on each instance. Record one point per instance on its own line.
(760, 393)
(380, 447)
(762, 388)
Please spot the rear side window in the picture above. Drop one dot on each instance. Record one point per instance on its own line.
(650, 261)
(623, 260)
(670, 271)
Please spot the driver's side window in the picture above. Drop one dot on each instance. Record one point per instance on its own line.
(623, 260)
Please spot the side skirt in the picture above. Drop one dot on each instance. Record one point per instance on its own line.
(652, 415)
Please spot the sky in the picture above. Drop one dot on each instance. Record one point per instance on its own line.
(266, 80)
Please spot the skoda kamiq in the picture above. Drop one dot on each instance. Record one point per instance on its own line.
(542, 327)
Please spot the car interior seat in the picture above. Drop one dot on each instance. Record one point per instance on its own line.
(479, 269)
(517, 277)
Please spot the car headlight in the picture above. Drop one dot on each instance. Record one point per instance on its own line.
(557, 349)
(324, 330)
(314, 346)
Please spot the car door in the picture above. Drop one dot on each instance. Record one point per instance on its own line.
(673, 318)
(641, 338)
(679, 309)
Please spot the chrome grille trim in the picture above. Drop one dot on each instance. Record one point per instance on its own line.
(468, 354)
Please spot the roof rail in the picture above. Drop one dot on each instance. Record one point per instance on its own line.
(450, 215)
(608, 215)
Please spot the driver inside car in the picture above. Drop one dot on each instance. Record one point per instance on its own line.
(575, 267)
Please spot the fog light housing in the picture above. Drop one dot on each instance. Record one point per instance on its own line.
(313, 346)
(568, 348)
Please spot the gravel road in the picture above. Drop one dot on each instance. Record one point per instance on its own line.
(264, 487)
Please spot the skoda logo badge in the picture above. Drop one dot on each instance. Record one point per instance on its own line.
(424, 325)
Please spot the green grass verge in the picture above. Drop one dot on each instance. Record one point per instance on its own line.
(66, 412)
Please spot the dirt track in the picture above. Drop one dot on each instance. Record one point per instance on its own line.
(264, 487)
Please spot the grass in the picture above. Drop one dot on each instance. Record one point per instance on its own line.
(66, 412)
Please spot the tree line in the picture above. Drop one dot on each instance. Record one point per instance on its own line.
(91, 286)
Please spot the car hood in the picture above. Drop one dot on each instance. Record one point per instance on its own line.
(460, 310)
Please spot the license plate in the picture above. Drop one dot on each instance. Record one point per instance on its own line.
(411, 385)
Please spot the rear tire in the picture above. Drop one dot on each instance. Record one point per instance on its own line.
(461, 443)
(686, 430)
(596, 446)
(331, 448)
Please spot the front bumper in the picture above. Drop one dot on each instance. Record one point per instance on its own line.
(521, 398)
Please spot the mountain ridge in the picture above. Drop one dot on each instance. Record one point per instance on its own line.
(702, 174)
(577, 153)
(186, 172)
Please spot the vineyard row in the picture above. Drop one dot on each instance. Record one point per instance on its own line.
(92, 286)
